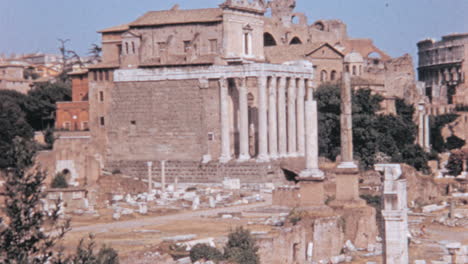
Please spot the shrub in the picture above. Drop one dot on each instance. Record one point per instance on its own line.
(454, 142)
(455, 163)
(241, 248)
(59, 181)
(107, 255)
(205, 252)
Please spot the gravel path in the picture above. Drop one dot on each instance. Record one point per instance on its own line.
(151, 221)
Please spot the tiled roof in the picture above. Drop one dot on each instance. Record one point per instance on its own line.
(167, 17)
(105, 65)
(119, 28)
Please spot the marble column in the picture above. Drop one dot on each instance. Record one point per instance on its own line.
(347, 159)
(244, 120)
(282, 134)
(421, 126)
(262, 120)
(310, 89)
(272, 119)
(300, 118)
(311, 142)
(224, 105)
(150, 176)
(163, 175)
(427, 133)
(292, 133)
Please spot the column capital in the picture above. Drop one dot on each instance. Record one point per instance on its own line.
(240, 81)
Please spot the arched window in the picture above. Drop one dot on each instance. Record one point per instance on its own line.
(133, 47)
(354, 70)
(360, 69)
(319, 26)
(126, 47)
(323, 76)
(268, 40)
(295, 41)
(347, 68)
(295, 20)
(247, 44)
(333, 75)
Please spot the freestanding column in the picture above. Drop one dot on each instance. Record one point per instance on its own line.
(300, 118)
(311, 142)
(427, 133)
(282, 118)
(292, 147)
(150, 176)
(272, 126)
(163, 175)
(347, 160)
(262, 120)
(244, 120)
(225, 140)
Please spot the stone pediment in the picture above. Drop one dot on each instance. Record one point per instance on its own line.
(325, 51)
(131, 34)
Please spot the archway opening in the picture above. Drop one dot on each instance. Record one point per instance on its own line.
(268, 40)
(295, 41)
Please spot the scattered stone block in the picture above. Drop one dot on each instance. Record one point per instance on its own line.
(196, 203)
(179, 238)
(231, 184)
(142, 208)
(349, 245)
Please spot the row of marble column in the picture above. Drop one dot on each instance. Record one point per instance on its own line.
(281, 120)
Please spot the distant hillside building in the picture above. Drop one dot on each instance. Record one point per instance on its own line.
(12, 77)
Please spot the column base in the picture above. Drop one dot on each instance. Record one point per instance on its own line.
(263, 158)
(274, 156)
(312, 173)
(224, 159)
(347, 165)
(243, 158)
(292, 155)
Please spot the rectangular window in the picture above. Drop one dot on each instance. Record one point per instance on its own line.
(106, 73)
(100, 76)
(84, 126)
(101, 96)
(162, 47)
(213, 45)
(246, 44)
(186, 46)
(95, 76)
(102, 121)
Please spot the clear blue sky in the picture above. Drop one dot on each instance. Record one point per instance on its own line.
(394, 25)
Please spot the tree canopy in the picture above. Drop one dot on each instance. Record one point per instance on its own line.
(375, 136)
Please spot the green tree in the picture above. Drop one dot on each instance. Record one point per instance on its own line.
(374, 135)
(241, 247)
(13, 124)
(454, 142)
(42, 103)
(26, 238)
(205, 252)
(437, 123)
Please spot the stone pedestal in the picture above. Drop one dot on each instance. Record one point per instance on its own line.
(312, 195)
(347, 189)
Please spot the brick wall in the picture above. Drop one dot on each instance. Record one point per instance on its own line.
(158, 120)
(194, 172)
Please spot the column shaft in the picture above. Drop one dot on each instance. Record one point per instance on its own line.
(292, 133)
(262, 120)
(300, 118)
(311, 131)
(244, 120)
(272, 126)
(282, 134)
(347, 159)
(225, 139)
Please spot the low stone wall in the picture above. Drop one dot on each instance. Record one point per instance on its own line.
(286, 196)
(195, 172)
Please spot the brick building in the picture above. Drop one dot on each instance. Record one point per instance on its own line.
(74, 115)
(12, 78)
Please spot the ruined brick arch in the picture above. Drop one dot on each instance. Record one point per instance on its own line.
(374, 55)
(319, 26)
(295, 41)
(268, 40)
